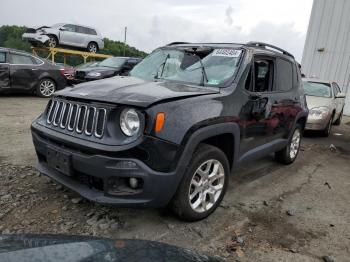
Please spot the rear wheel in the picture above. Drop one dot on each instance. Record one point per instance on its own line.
(204, 184)
(92, 47)
(338, 121)
(46, 88)
(288, 154)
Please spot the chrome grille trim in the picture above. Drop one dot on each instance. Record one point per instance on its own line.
(80, 130)
(88, 132)
(103, 122)
(64, 122)
(77, 117)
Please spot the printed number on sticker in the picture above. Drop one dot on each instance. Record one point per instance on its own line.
(226, 52)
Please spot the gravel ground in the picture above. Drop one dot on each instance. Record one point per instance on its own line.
(270, 212)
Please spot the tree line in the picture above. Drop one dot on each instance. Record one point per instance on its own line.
(11, 37)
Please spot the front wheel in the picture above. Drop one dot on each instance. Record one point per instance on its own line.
(288, 154)
(46, 88)
(338, 121)
(52, 42)
(327, 131)
(204, 184)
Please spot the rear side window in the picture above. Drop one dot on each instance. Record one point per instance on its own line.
(21, 59)
(284, 77)
(2, 57)
(81, 30)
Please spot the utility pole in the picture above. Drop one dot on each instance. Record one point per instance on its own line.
(125, 39)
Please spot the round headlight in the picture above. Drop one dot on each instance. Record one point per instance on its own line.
(130, 122)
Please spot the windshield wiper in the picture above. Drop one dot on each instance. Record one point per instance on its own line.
(162, 64)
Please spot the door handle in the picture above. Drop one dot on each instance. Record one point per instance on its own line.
(34, 69)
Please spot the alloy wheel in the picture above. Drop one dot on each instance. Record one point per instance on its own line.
(52, 42)
(93, 48)
(295, 144)
(47, 88)
(206, 186)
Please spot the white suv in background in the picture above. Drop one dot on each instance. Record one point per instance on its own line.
(66, 35)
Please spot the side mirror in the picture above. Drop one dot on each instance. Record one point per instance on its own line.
(340, 95)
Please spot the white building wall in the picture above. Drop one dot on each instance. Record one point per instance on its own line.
(326, 52)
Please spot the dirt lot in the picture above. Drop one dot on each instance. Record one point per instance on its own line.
(270, 212)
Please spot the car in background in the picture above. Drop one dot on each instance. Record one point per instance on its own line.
(23, 72)
(325, 102)
(66, 35)
(109, 67)
(68, 72)
(86, 65)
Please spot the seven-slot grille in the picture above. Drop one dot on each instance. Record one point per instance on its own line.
(82, 119)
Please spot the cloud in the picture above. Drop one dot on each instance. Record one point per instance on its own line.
(229, 12)
(157, 22)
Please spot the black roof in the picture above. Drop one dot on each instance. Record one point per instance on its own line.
(255, 45)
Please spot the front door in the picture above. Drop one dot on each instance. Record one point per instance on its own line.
(68, 35)
(4, 71)
(256, 115)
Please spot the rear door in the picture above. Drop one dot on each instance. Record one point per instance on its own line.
(81, 37)
(284, 98)
(4, 70)
(24, 71)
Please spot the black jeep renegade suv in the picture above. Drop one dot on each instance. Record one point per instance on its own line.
(172, 131)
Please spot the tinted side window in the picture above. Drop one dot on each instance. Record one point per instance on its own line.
(284, 77)
(70, 28)
(91, 31)
(21, 59)
(81, 30)
(2, 57)
(263, 75)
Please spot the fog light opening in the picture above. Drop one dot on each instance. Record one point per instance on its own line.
(133, 182)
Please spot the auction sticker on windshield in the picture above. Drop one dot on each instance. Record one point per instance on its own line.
(227, 52)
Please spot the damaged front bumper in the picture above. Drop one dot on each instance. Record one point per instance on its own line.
(35, 37)
(103, 178)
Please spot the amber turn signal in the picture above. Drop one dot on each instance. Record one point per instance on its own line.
(160, 119)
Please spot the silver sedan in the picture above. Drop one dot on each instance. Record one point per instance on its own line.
(325, 102)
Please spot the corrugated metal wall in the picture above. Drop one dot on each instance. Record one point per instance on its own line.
(326, 52)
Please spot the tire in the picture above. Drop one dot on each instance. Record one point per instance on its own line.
(189, 206)
(327, 131)
(338, 121)
(46, 87)
(52, 42)
(92, 47)
(288, 154)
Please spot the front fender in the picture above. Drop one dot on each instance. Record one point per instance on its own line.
(191, 141)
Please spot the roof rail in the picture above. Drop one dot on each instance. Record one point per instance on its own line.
(264, 45)
(177, 43)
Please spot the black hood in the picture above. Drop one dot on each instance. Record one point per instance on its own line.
(133, 91)
(52, 248)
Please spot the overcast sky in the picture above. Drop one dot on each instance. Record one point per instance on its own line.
(152, 23)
